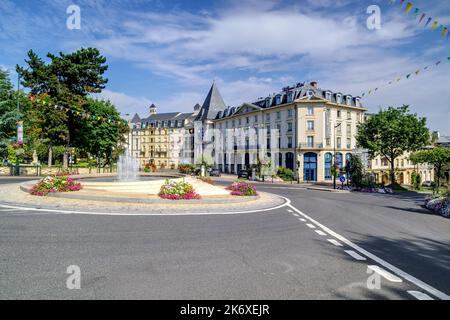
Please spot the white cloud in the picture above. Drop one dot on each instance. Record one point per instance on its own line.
(126, 104)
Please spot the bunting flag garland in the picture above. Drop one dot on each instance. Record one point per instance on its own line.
(44, 101)
(417, 12)
(407, 77)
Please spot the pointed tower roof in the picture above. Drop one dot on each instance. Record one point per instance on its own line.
(136, 118)
(212, 105)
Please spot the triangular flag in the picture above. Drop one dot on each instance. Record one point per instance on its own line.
(390, 82)
(426, 68)
(408, 75)
(421, 17)
(376, 89)
(401, 2)
(438, 63)
(435, 24)
(448, 58)
(370, 91)
(365, 93)
(444, 32)
(408, 7)
(428, 22)
(416, 12)
(398, 79)
(417, 72)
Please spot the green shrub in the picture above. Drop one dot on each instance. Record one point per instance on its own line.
(285, 174)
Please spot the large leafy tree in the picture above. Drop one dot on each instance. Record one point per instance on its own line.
(392, 132)
(13, 106)
(103, 134)
(67, 80)
(438, 157)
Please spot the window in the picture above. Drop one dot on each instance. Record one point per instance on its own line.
(289, 139)
(349, 115)
(310, 111)
(278, 99)
(328, 142)
(278, 115)
(232, 124)
(328, 96)
(268, 117)
(256, 118)
(349, 129)
(247, 120)
(289, 127)
(240, 121)
(267, 102)
(268, 143)
(328, 165)
(290, 97)
(349, 143)
(339, 114)
(338, 98)
(289, 113)
(349, 100)
(310, 125)
(310, 141)
(338, 143)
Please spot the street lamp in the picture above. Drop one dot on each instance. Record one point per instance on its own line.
(334, 155)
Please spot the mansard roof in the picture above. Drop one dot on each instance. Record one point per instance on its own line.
(136, 118)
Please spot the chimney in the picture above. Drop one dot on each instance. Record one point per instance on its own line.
(314, 84)
(152, 110)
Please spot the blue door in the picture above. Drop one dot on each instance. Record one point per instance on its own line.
(310, 166)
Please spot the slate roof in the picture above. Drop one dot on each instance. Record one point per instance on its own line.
(212, 106)
(289, 94)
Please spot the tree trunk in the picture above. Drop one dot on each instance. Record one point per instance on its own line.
(392, 173)
(50, 156)
(66, 159)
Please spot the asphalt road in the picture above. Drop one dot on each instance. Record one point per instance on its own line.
(278, 254)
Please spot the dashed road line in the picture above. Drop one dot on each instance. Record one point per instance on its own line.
(385, 274)
(311, 225)
(355, 255)
(302, 220)
(335, 242)
(320, 232)
(419, 283)
(419, 295)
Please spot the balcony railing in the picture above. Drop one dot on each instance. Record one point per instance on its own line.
(310, 145)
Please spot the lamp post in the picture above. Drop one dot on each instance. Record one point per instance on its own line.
(334, 155)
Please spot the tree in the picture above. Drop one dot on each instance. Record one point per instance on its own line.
(439, 157)
(355, 170)
(10, 114)
(67, 80)
(99, 136)
(392, 132)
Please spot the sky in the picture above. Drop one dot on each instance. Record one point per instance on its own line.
(169, 52)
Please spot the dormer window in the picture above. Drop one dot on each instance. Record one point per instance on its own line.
(267, 102)
(338, 98)
(290, 97)
(328, 95)
(309, 93)
(358, 102)
(349, 100)
(278, 99)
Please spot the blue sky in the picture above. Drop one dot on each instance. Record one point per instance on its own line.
(169, 52)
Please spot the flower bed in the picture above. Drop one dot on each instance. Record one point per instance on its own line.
(439, 205)
(178, 191)
(53, 184)
(242, 189)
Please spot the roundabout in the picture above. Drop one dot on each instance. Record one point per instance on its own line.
(103, 195)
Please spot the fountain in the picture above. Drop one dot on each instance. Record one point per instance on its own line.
(127, 168)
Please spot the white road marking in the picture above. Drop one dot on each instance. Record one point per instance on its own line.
(55, 211)
(353, 254)
(435, 292)
(320, 232)
(311, 225)
(419, 295)
(385, 274)
(289, 210)
(335, 242)
(302, 220)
